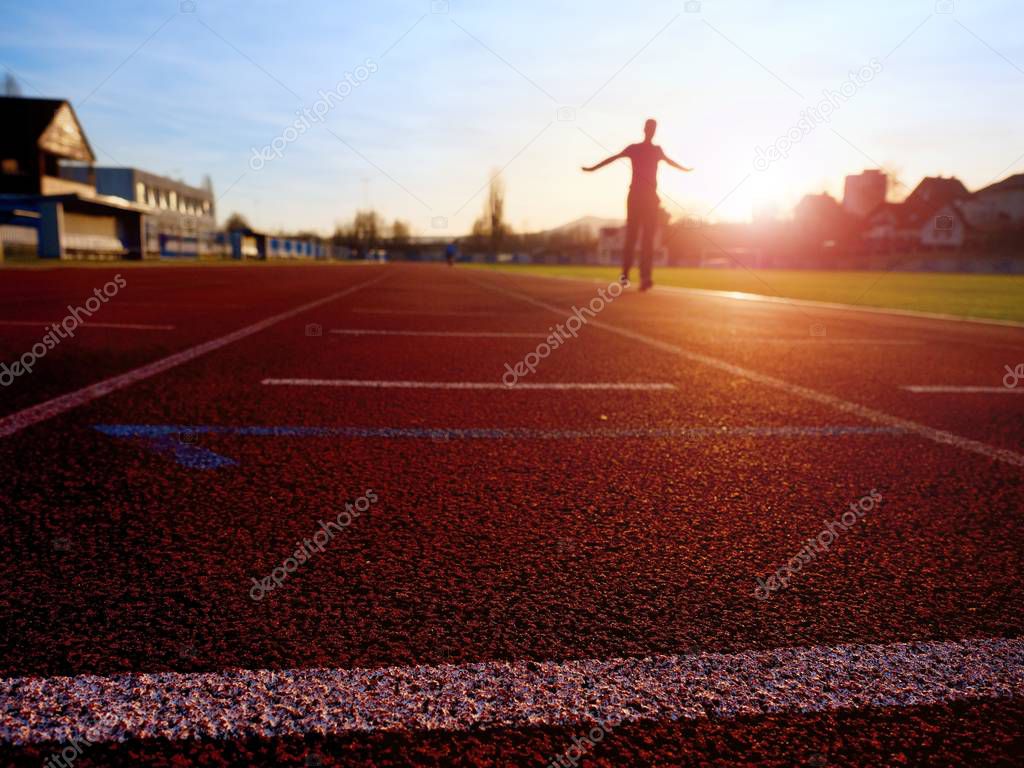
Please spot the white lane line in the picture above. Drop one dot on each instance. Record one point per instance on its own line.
(870, 414)
(242, 703)
(424, 312)
(825, 342)
(126, 326)
(831, 305)
(58, 405)
(645, 386)
(966, 389)
(445, 334)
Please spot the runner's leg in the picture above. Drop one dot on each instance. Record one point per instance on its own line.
(650, 225)
(629, 244)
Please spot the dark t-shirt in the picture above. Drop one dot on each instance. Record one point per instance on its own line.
(645, 159)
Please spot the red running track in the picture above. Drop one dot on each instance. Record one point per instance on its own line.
(519, 525)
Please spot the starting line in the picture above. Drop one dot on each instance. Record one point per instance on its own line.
(242, 703)
(178, 441)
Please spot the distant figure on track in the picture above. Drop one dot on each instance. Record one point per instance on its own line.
(642, 205)
(450, 252)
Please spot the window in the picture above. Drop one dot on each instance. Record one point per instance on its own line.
(9, 165)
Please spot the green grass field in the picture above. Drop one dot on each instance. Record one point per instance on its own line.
(998, 297)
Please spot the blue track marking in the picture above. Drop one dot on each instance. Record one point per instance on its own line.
(189, 455)
(178, 441)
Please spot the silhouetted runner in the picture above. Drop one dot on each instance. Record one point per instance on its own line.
(642, 205)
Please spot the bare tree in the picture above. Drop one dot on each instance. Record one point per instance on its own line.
(362, 234)
(235, 222)
(367, 227)
(400, 232)
(492, 225)
(895, 190)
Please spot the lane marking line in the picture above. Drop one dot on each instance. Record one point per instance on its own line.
(825, 342)
(178, 440)
(760, 297)
(445, 334)
(126, 326)
(796, 303)
(375, 384)
(240, 703)
(836, 306)
(424, 312)
(939, 436)
(965, 389)
(486, 433)
(34, 414)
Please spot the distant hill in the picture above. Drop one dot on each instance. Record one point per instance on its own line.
(592, 224)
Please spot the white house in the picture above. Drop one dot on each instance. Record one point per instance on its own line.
(948, 228)
(997, 206)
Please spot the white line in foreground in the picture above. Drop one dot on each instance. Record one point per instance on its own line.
(243, 703)
(940, 436)
(446, 334)
(423, 312)
(825, 342)
(646, 386)
(58, 405)
(125, 326)
(953, 388)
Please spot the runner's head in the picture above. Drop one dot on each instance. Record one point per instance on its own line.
(649, 128)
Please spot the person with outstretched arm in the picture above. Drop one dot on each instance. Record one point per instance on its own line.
(642, 205)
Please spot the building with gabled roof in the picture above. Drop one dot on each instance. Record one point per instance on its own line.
(932, 193)
(38, 137)
(999, 206)
(899, 226)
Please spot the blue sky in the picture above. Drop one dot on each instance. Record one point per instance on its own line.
(457, 95)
